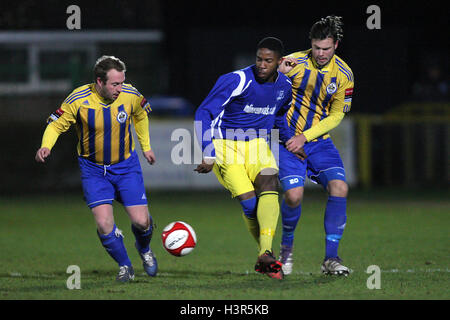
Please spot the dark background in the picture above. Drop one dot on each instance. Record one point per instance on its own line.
(405, 62)
(201, 38)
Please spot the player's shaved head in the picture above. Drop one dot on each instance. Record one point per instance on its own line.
(268, 56)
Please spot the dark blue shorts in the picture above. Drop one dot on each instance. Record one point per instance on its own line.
(322, 165)
(122, 181)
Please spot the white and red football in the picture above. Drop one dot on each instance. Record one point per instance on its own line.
(179, 238)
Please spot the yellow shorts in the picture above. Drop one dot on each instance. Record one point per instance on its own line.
(239, 162)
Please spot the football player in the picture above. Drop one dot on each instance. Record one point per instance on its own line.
(102, 113)
(322, 88)
(232, 125)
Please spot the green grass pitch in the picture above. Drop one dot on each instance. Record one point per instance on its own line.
(405, 234)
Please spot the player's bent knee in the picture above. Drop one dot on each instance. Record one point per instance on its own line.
(292, 202)
(104, 218)
(338, 188)
(139, 216)
(266, 183)
(105, 228)
(141, 224)
(294, 197)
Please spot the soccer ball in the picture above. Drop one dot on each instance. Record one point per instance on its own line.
(179, 238)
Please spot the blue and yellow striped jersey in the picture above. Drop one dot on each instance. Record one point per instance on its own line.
(318, 94)
(104, 130)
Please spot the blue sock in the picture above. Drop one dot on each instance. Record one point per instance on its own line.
(143, 237)
(113, 243)
(249, 207)
(289, 218)
(334, 223)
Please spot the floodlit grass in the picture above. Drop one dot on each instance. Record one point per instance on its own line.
(405, 234)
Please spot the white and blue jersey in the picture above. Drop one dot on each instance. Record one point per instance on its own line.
(241, 108)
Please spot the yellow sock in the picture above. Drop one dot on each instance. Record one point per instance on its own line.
(252, 226)
(267, 213)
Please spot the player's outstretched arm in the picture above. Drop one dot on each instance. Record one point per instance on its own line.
(41, 154)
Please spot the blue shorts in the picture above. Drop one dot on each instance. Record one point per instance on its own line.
(322, 165)
(122, 181)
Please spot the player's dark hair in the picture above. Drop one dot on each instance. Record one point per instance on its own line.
(271, 43)
(106, 63)
(329, 27)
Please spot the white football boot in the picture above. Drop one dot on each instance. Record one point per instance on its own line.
(125, 274)
(333, 266)
(149, 262)
(286, 259)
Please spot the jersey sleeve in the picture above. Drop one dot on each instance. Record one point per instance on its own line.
(324, 126)
(208, 113)
(343, 100)
(339, 107)
(141, 110)
(63, 117)
(280, 118)
(57, 123)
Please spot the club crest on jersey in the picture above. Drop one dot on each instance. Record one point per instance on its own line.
(122, 117)
(280, 95)
(331, 88)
